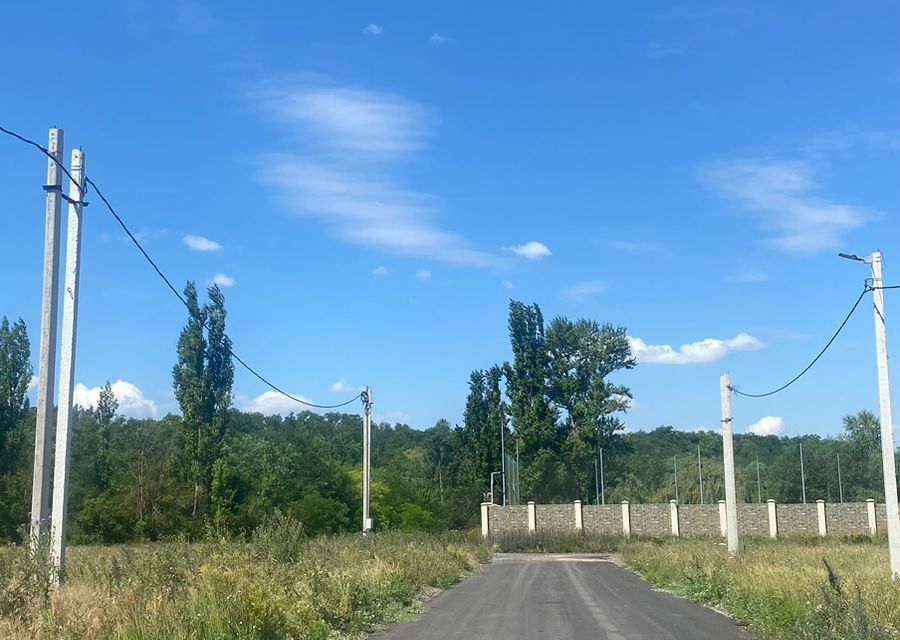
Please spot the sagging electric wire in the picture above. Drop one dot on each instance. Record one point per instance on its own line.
(866, 289)
(162, 276)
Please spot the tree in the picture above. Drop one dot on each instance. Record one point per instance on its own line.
(533, 416)
(202, 381)
(15, 376)
(105, 413)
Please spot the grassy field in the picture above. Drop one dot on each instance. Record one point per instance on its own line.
(281, 585)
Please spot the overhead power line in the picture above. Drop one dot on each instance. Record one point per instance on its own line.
(163, 277)
(866, 289)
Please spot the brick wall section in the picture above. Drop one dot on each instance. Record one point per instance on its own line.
(650, 520)
(696, 520)
(504, 519)
(753, 519)
(557, 517)
(846, 519)
(797, 519)
(603, 518)
(881, 518)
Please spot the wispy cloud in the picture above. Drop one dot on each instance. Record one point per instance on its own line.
(271, 403)
(373, 29)
(437, 38)
(532, 250)
(659, 50)
(707, 350)
(783, 197)
(767, 426)
(584, 290)
(344, 180)
(341, 386)
(393, 417)
(381, 271)
(132, 402)
(747, 276)
(199, 243)
(700, 13)
(346, 119)
(223, 280)
(423, 274)
(506, 284)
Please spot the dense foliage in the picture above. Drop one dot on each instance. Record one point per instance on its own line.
(555, 403)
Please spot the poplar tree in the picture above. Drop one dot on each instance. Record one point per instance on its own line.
(105, 413)
(202, 382)
(15, 376)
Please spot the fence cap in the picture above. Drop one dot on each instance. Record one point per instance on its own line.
(624, 501)
(820, 502)
(673, 501)
(870, 500)
(771, 500)
(721, 502)
(578, 502)
(531, 502)
(486, 504)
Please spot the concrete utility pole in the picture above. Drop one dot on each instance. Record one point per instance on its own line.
(888, 462)
(62, 455)
(491, 480)
(700, 473)
(802, 474)
(602, 481)
(366, 397)
(503, 450)
(758, 483)
(675, 461)
(840, 482)
(728, 449)
(40, 485)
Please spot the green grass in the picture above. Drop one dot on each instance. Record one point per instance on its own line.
(281, 585)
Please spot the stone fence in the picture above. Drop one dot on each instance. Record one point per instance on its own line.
(673, 519)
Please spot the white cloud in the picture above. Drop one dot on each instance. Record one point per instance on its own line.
(627, 246)
(271, 403)
(506, 284)
(532, 250)
(350, 120)
(437, 38)
(373, 29)
(393, 417)
(782, 195)
(346, 181)
(381, 271)
(768, 426)
(223, 280)
(199, 243)
(341, 386)
(423, 274)
(707, 350)
(659, 50)
(196, 17)
(584, 290)
(132, 403)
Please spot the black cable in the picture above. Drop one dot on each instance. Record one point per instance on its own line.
(159, 272)
(865, 290)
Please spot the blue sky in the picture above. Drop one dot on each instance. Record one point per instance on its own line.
(375, 182)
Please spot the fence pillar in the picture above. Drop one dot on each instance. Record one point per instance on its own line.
(626, 519)
(532, 517)
(579, 517)
(485, 519)
(673, 513)
(773, 519)
(723, 519)
(820, 513)
(870, 510)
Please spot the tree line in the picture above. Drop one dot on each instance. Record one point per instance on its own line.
(557, 402)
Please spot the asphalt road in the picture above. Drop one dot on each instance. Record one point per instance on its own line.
(530, 597)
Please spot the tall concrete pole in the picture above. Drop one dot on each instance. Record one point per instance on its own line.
(728, 449)
(596, 484)
(840, 481)
(700, 472)
(503, 450)
(367, 458)
(675, 462)
(43, 435)
(758, 483)
(602, 481)
(802, 474)
(59, 516)
(887, 432)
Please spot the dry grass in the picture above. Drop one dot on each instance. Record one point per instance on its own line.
(782, 589)
(279, 586)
